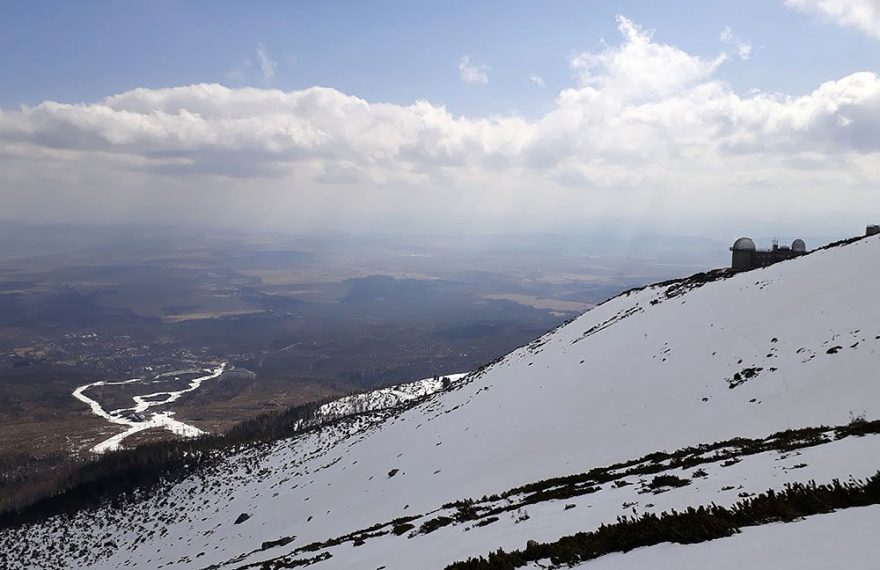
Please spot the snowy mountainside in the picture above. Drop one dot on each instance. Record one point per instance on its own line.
(559, 436)
(380, 399)
(803, 545)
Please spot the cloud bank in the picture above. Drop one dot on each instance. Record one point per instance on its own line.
(647, 132)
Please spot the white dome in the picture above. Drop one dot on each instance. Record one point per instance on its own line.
(744, 243)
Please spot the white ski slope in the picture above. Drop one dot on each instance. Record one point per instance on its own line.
(638, 374)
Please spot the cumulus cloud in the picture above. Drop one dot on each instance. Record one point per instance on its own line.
(470, 72)
(743, 49)
(640, 66)
(647, 129)
(863, 15)
(538, 80)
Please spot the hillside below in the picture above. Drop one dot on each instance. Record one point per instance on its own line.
(708, 390)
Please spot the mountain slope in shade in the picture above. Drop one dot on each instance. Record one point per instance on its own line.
(672, 366)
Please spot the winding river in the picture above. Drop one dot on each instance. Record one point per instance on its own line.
(138, 418)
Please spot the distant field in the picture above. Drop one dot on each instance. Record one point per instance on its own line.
(542, 302)
(207, 314)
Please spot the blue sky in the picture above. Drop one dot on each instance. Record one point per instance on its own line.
(392, 51)
(474, 116)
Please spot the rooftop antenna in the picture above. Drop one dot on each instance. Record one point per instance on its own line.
(775, 243)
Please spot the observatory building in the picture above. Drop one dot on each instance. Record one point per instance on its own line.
(746, 256)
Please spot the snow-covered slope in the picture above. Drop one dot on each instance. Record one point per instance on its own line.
(378, 399)
(803, 545)
(790, 346)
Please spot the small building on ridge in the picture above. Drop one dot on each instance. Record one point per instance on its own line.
(746, 256)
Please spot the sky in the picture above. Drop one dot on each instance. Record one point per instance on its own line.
(680, 116)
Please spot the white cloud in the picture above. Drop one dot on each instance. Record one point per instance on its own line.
(538, 80)
(743, 49)
(267, 66)
(647, 130)
(640, 66)
(470, 72)
(863, 15)
(243, 71)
